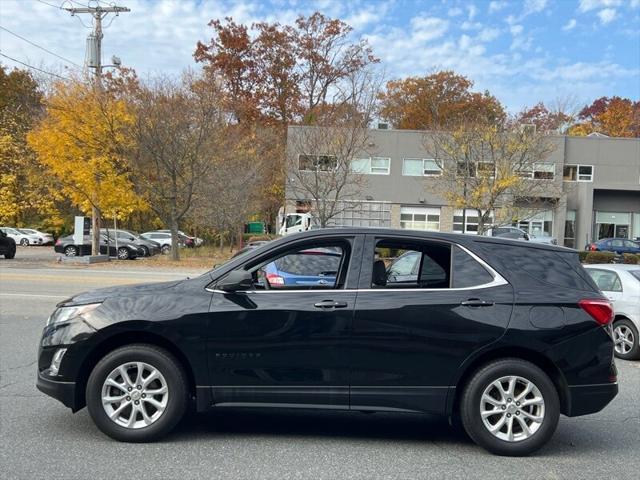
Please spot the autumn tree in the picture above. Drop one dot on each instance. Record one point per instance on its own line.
(26, 196)
(546, 120)
(441, 100)
(272, 75)
(176, 130)
(320, 158)
(491, 171)
(83, 141)
(615, 117)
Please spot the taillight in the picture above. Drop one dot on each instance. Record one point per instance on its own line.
(58, 242)
(275, 280)
(593, 247)
(600, 310)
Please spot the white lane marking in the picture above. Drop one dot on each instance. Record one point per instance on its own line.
(32, 295)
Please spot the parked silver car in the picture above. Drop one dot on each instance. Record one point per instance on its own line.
(47, 238)
(621, 284)
(24, 239)
(516, 233)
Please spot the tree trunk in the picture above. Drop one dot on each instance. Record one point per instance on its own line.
(95, 234)
(175, 248)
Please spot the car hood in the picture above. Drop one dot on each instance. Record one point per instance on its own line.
(101, 294)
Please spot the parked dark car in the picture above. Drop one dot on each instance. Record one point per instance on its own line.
(126, 250)
(148, 247)
(616, 245)
(514, 335)
(7, 245)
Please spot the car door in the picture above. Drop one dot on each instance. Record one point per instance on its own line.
(408, 342)
(285, 344)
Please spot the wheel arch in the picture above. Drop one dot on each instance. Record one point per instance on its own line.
(537, 358)
(121, 339)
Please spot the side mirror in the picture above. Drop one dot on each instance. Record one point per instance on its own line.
(236, 281)
(527, 236)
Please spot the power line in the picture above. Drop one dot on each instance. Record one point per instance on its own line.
(40, 47)
(50, 4)
(34, 68)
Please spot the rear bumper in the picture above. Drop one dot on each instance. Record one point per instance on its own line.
(586, 399)
(64, 392)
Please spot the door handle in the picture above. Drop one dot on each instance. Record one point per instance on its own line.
(476, 302)
(329, 304)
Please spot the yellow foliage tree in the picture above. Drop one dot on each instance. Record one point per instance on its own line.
(490, 171)
(83, 141)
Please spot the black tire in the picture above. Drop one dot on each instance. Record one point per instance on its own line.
(146, 251)
(70, 251)
(165, 249)
(470, 407)
(177, 387)
(123, 253)
(11, 254)
(632, 331)
(24, 242)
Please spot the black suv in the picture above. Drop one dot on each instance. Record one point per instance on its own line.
(7, 245)
(499, 335)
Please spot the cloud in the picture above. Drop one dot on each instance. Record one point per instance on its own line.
(497, 5)
(454, 12)
(534, 6)
(488, 34)
(570, 25)
(473, 11)
(516, 30)
(607, 15)
(428, 28)
(588, 5)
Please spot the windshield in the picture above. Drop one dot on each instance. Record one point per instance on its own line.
(25, 231)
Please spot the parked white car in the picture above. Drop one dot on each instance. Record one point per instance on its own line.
(621, 284)
(20, 238)
(47, 238)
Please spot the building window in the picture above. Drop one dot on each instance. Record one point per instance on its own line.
(471, 224)
(420, 218)
(538, 225)
(476, 169)
(577, 173)
(539, 171)
(317, 163)
(419, 167)
(612, 224)
(371, 165)
(465, 169)
(570, 229)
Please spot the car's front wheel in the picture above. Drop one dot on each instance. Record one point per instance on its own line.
(510, 407)
(11, 254)
(625, 336)
(166, 249)
(137, 393)
(123, 253)
(70, 251)
(24, 242)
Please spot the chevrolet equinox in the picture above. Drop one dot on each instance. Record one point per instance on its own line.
(498, 335)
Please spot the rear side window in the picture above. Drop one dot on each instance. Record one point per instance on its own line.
(467, 272)
(606, 280)
(311, 262)
(551, 267)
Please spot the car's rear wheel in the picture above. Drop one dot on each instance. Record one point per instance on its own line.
(24, 242)
(11, 254)
(137, 393)
(70, 251)
(510, 407)
(625, 336)
(166, 249)
(123, 253)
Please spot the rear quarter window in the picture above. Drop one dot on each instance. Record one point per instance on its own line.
(467, 272)
(550, 267)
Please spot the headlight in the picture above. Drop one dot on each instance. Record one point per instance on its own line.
(64, 314)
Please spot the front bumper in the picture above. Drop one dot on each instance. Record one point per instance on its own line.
(64, 392)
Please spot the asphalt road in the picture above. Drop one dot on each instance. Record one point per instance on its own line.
(39, 438)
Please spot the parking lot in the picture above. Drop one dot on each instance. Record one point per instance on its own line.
(39, 438)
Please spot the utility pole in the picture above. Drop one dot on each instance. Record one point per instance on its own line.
(94, 60)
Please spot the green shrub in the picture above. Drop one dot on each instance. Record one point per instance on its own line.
(583, 255)
(599, 257)
(631, 259)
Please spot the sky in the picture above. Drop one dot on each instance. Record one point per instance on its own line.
(522, 51)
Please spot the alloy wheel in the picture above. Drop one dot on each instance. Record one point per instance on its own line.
(135, 395)
(512, 408)
(123, 253)
(623, 338)
(70, 251)
(24, 242)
